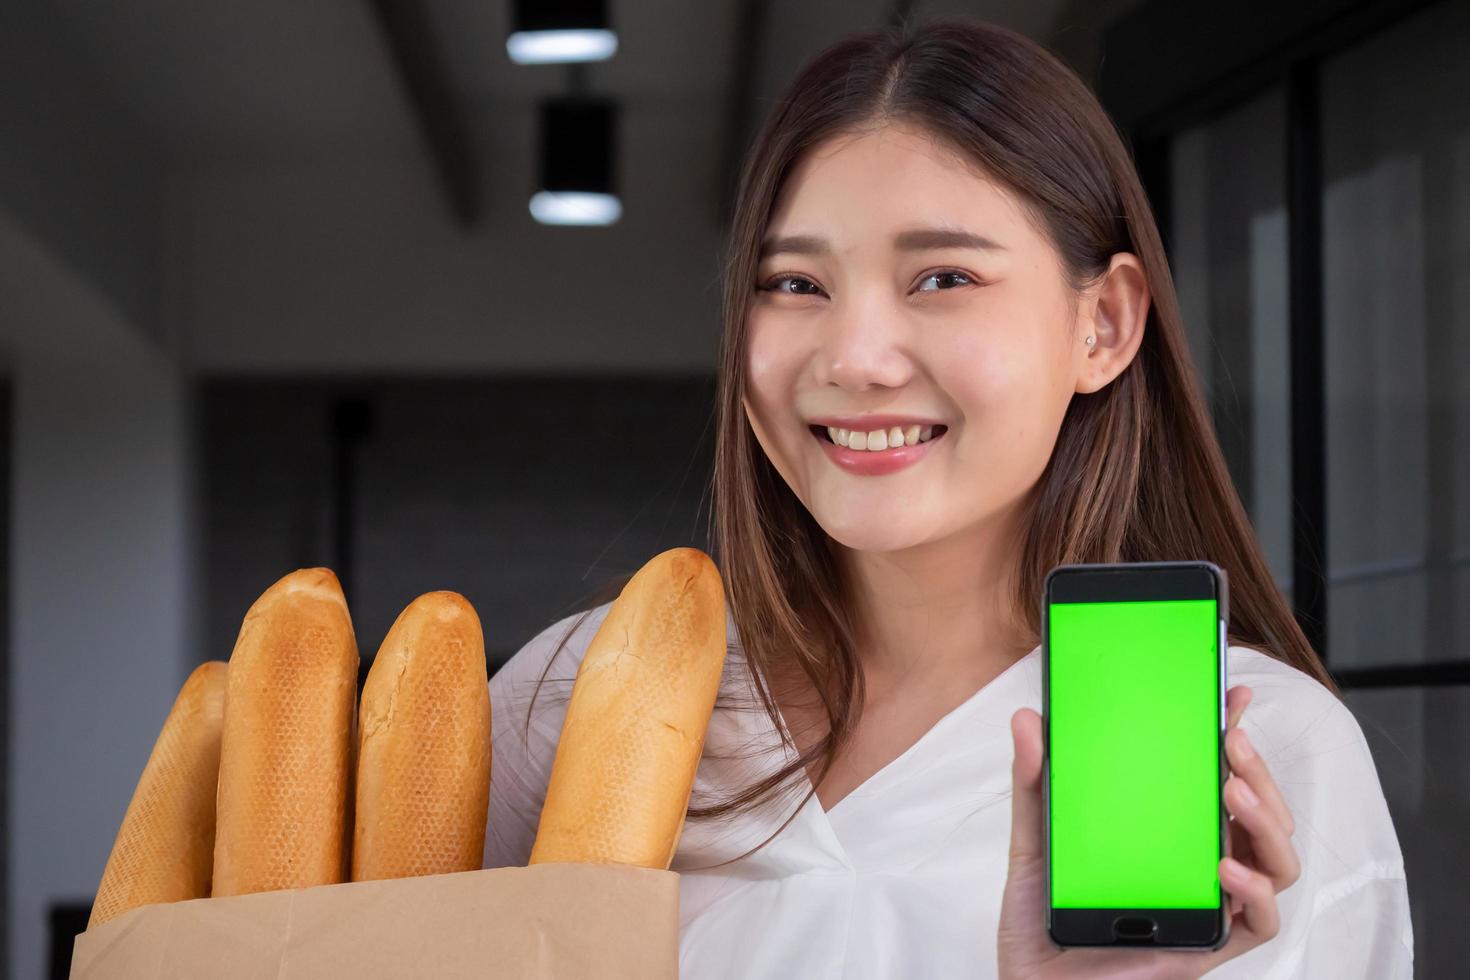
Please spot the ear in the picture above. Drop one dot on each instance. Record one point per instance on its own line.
(1113, 312)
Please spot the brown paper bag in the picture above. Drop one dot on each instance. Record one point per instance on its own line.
(562, 921)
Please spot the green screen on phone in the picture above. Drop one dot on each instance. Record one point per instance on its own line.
(1134, 754)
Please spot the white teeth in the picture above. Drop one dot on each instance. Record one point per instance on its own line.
(881, 439)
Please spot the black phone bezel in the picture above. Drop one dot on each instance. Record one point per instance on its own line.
(1201, 929)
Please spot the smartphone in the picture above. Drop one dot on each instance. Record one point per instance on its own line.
(1133, 707)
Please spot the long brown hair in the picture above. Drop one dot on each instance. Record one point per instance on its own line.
(1136, 474)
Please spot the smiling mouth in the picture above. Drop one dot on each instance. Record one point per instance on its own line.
(820, 432)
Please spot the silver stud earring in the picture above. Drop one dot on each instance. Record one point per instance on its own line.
(1090, 342)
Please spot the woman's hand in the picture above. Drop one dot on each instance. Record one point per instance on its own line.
(1263, 864)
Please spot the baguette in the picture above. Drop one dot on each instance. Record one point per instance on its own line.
(635, 726)
(423, 765)
(164, 851)
(285, 753)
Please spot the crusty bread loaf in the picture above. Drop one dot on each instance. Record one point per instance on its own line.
(635, 726)
(164, 851)
(285, 755)
(423, 763)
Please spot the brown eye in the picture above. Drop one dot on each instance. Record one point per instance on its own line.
(797, 282)
(947, 275)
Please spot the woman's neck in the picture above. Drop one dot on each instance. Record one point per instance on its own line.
(941, 612)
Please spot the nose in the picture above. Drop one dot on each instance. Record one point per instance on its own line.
(863, 346)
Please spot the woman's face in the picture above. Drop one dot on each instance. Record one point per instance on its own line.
(875, 314)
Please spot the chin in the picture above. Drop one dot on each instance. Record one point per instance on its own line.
(876, 536)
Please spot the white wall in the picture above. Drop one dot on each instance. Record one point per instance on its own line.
(99, 544)
(99, 578)
(100, 553)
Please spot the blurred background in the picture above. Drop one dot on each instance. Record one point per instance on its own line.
(287, 284)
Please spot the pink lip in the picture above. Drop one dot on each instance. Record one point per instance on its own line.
(861, 462)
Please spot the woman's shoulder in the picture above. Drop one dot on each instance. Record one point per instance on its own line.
(536, 682)
(528, 702)
(565, 640)
(529, 695)
(1287, 703)
(1304, 731)
(563, 645)
(1351, 902)
(1320, 760)
(1252, 662)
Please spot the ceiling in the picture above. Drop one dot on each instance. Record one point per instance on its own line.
(313, 212)
(225, 82)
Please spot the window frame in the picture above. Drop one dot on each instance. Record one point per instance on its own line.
(1217, 58)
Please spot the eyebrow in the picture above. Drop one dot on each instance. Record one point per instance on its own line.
(917, 240)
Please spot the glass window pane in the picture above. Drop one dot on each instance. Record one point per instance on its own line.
(1396, 250)
(1421, 746)
(1229, 256)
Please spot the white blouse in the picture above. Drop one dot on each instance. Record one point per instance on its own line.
(903, 876)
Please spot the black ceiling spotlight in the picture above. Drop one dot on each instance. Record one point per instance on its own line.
(578, 179)
(545, 31)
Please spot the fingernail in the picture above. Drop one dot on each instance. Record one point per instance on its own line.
(1243, 746)
(1247, 796)
(1234, 871)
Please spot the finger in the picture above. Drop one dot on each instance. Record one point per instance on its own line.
(1236, 700)
(1026, 826)
(1270, 845)
(1247, 763)
(1241, 847)
(1254, 897)
(1257, 898)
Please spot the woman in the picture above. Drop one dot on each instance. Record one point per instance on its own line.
(952, 359)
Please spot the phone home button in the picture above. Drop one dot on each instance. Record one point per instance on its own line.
(1134, 928)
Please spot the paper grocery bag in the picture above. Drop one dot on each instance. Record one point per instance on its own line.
(562, 921)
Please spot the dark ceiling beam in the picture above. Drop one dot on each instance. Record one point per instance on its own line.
(407, 29)
(1220, 55)
(740, 111)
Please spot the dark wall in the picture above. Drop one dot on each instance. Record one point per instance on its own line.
(5, 720)
(525, 494)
